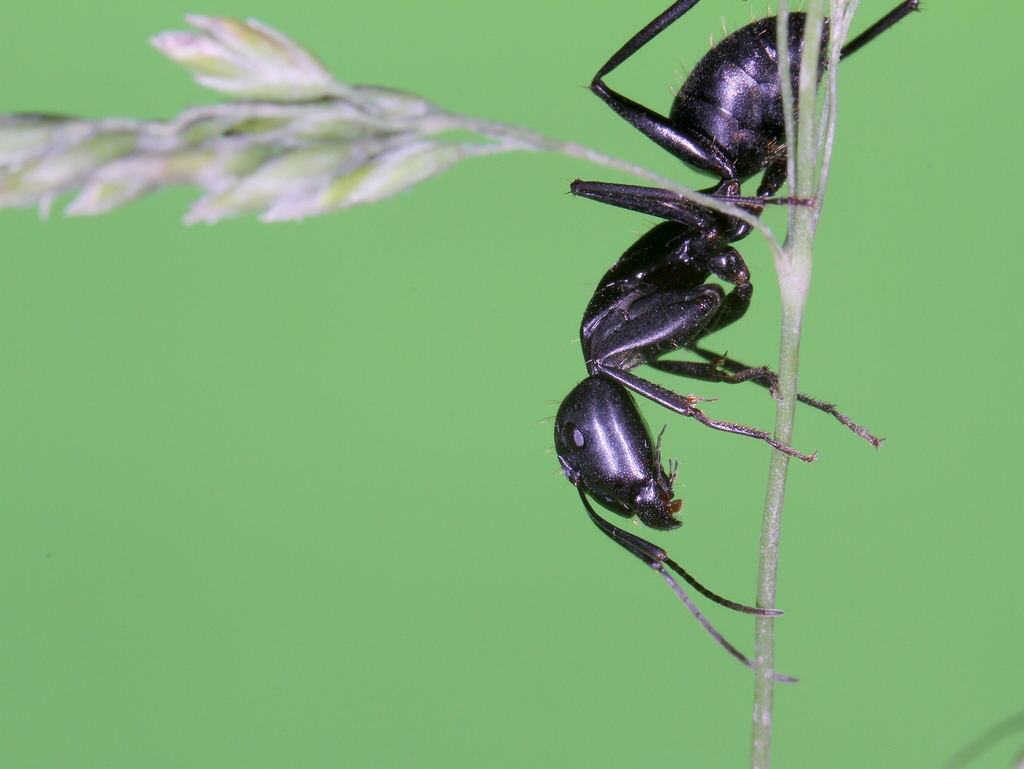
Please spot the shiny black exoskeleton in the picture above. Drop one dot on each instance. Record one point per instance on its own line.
(727, 119)
(656, 298)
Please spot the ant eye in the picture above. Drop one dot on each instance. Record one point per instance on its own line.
(575, 435)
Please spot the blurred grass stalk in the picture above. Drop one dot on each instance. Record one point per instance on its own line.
(810, 135)
(298, 143)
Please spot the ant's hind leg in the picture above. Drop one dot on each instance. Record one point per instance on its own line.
(645, 35)
(898, 13)
(690, 147)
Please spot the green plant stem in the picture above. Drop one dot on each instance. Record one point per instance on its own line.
(794, 271)
(517, 138)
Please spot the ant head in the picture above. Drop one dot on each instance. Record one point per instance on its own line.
(606, 451)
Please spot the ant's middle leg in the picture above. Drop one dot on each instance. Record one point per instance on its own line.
(653, 201)
(665, 204)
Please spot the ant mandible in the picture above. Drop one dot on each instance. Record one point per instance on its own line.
(727, 120)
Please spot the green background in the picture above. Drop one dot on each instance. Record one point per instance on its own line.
(278, 495)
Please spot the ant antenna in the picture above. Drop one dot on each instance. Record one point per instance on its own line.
(657, 559)
(711, 630)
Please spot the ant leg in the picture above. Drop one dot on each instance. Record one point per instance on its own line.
(713, 372)
(657, 558)
(653, 201)
(773, 178)
(693, 149)
(762, 375)
(657, 321)
(652, 555)
(684, 405)
(752, 202)
(775, 173)
(737, 301)
(645, 35)
(898, 13)
(665, 204)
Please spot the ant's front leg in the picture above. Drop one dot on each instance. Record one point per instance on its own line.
(762, 375)
(685, 406)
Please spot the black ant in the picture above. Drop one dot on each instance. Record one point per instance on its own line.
(655, 299)
(727, 120)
